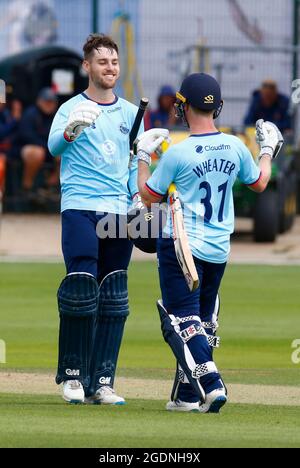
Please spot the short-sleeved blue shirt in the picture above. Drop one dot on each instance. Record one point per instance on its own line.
(95, 172)
(204, 168)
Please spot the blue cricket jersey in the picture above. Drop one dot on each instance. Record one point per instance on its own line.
(204, 169)
(94, 168)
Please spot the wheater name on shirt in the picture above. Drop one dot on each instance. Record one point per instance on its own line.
(218, 165)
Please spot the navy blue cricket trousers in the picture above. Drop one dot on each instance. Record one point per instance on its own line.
(176, 295)
(84, 251)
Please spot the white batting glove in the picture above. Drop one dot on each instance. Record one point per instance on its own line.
(269, 138)
(82, 116)
(149, 142)
(137, 203)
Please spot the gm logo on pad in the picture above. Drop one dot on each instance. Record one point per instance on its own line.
(73, 372)
(209, 99)
(105, 380)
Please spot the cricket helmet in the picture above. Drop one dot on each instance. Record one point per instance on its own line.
(201, 91)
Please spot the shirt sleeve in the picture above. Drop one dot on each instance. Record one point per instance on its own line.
(164, 174)
(57, 144)
(249, 172)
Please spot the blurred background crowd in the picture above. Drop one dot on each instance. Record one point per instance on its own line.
(40, 62)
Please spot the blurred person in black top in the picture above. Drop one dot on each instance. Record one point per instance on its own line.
(10, 115)
(31, 142)
(268, 104)
(164, 115)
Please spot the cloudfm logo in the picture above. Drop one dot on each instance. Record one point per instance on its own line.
(199, 149)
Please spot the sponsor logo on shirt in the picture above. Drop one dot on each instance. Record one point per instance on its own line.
(221, 147)
(115, 109)
(109, 147)
(123, 128)
(199, 149)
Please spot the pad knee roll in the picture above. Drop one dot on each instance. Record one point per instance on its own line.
(113, 297)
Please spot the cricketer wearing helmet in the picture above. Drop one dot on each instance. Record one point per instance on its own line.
(91, 133)
(204, 168)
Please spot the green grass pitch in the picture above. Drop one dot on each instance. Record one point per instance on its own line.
(259, 320)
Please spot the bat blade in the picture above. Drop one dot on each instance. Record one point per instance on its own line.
(181, 242)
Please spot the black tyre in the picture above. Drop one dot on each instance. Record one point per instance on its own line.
(266, 217)
(289, 205)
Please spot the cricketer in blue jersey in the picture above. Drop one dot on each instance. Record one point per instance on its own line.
(204, 168)
(98, 183)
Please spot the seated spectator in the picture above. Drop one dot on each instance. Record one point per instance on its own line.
(31, 141)
(164, 115)
(268, 104)
(10, 115)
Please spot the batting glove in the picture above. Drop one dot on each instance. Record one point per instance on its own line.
(150, 142)
(269, 138)
(137, 203)
(82, 116)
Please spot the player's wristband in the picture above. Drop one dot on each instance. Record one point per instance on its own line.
(266, 150)
(143, 156)
(68, 138)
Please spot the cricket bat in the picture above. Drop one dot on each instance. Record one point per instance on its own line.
(181, 243)
(136, 126)
(138, 120)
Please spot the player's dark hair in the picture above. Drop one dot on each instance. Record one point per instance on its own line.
(95, 41)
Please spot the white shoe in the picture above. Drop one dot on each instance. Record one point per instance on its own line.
(105, 396)
(213, 401)
(73, 391)
(184, 406)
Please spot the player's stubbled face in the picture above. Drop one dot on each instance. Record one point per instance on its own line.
(104, 68)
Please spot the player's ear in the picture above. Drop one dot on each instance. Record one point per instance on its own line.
(86, 65)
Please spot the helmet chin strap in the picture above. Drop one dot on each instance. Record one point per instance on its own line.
(217, 112)
(180, 113)
(184, 119)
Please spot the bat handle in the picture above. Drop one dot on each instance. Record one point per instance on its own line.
(144, 103)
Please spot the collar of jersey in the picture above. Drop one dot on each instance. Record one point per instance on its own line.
(205, 134)
(101, 103)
